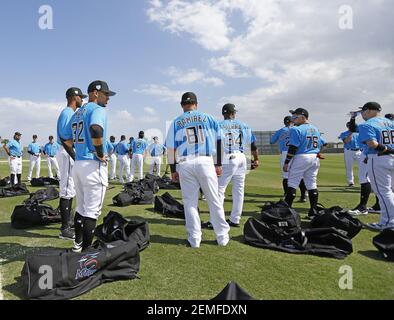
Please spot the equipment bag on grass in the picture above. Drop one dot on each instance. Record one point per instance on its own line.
(326, 242)
(384, 242)
(281, 215)
(5, 182)
(57, 274)
(27, 216)
(133, 196)
(44, 181)
(169, 206)
(43, 195)
(338, 218)
(14, 191)
(116, 227)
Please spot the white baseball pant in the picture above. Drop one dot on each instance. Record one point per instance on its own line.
(283, 156)
(91, 182)
(15, 167)
(35, 161)
(112, 160)
(234, 170)
(155, 161)
(137, 160)
(66, 165)
(381, 174)
(52, 163)
(304, 166)
(196, 173)
(124, 163)
(350, 158)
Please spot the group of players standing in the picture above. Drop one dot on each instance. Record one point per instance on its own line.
(203, 154)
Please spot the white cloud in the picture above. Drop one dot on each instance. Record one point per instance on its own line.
(164, 93)
(185, 77)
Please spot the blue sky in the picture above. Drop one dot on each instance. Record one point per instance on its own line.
(263, 56)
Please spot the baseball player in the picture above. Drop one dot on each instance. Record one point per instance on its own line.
(14, 151)
(378, 134)
(87, 132)
(156, 151)
(352, 153)
(282, 138)
(65, 162)
(112, 157)
(237, 139)
(192, 140)
(34, 149)
(123, 151)
(302, 161)
(50, 150)
(139, 147)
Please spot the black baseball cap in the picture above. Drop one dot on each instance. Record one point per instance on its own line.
(122, 137)
(229, 108)
(102, 86)
(371, 106)
(74, 92)
(17, 134)
(300, 112)
(189, 98)
(389, 116)
(35, 136)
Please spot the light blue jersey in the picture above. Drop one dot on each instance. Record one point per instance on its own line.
(139, 146)
(156, 149)
(377, 129)
(79, 130)
(15, 148)
(194, 133)
(34, 148)
(236, 136)
(110, 147)
(352, 144)
(306, 138)
(51, 149)
(63, 122)
(122, 148)
(283, 137)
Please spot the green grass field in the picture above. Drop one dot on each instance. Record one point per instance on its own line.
(170, 270)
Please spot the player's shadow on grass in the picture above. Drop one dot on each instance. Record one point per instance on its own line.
(268, 196)
(7, 231)
(163, 220)
(341, 190)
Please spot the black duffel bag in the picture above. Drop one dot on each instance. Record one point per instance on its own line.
(44, 181)
(279, 214)
(116, 227)
(27, 216)
(5, 182)
(338, 218)
(14, 191)
(133, 195)
(384, 242)
(169, 206)
(56, 274)
(325, 242)
(42, 195)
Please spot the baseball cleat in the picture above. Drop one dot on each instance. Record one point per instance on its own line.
(351, 185)
(77, 247)
(303, 199)
(232, 224)
(207, 225)
(358, 212)
(67, 234)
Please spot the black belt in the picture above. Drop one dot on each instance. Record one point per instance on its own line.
(354, 149)
(16, 156)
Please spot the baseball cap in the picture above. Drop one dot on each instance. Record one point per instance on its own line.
(389, 116)
(229, 108)
(189, 98)
(17, 134)
(73, 92)
(35, 136)
(50, 137)
(100, 86)
(371, 106)
(300, 112)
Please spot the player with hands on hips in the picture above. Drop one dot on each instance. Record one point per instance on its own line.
(157, 151)
(34, 149)
(193, 139)
(14, 151)
(50, 151)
